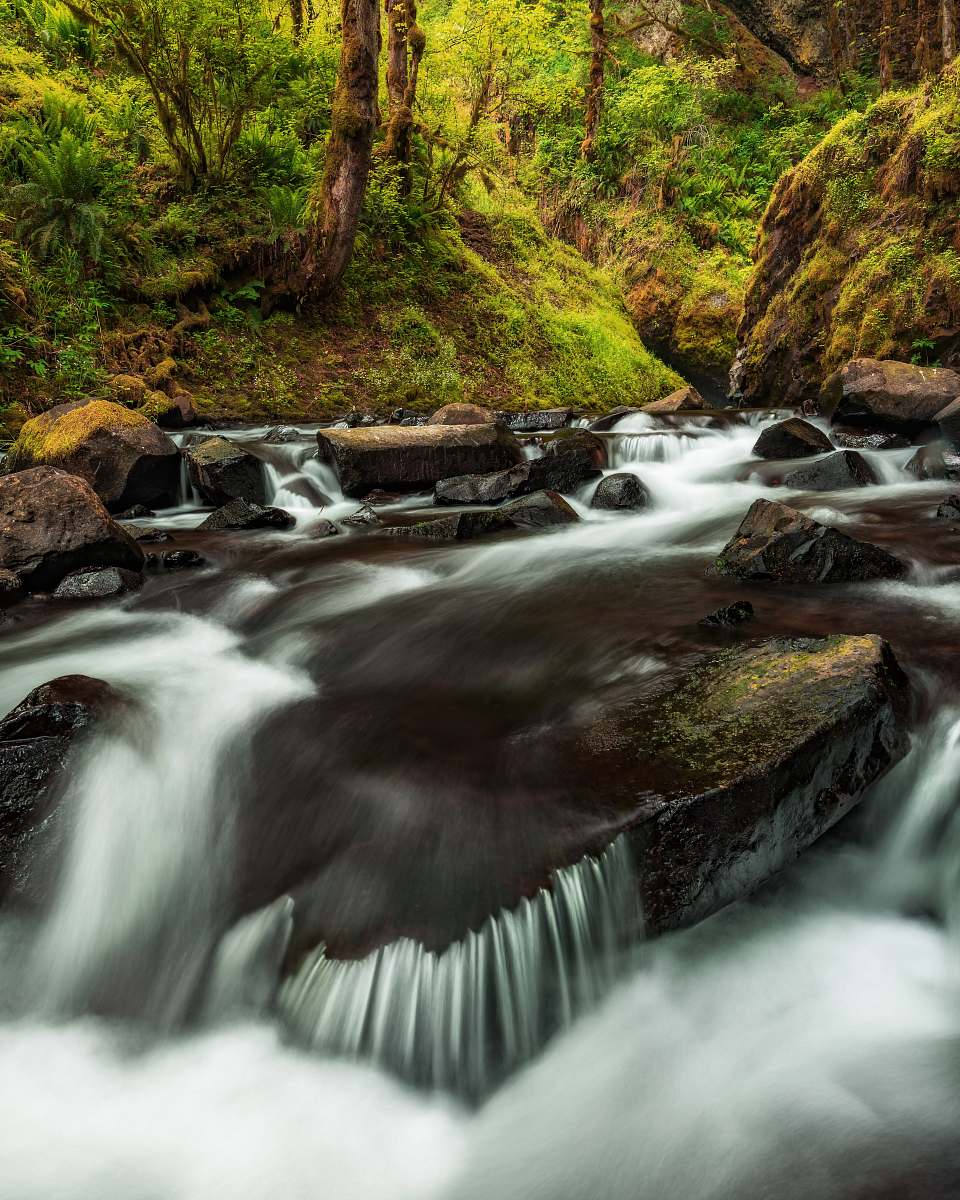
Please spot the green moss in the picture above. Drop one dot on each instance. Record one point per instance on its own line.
(51, 438)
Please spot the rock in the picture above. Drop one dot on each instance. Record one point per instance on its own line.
(792, 438)
(733, 615)
(124, 457)
(324, 529)
(11, 585)
(35, 743)
(685, 399)
(281, 435)
(927, 463)
(608, 420)
(948, 419)
(568, 461)
(949, 510)
(460, 414)
(407, 458)
(135, 511)
(172, 412)
(888, 394)
(98, 583)
(843, 469)
(363, 518)
(140, 533)
(239, 514)
(723, 779)
(620, 491)
(863, 439)
(222, 471)
(577, 441)
(782, 545)
(52, 523)
(489, 488)
(379, 498)
(540, 420)
(175, 560)
(542, 510)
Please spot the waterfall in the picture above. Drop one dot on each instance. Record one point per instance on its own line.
(666, 447)
(298, 479)
(466, 1017)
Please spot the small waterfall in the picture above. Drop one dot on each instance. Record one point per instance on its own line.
(298, 479)
(666, 447)
(466, 1017)
(187, 494)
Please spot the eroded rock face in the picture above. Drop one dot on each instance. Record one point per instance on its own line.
(222, 471)
(404, 458)
(793, 438)
(460, 414)
(35, 741)
(52, 523)
(898, 395)
(240, 514)
(620, 491)
(797, 29)
(685, 399)
(843, 469)
(781, 545)
(124, 457)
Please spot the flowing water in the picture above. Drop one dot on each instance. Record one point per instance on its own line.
(357, 733)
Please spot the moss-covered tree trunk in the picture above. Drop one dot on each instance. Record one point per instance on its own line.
(948, 36)
(598, 54)
(335, 206)
(405, 46)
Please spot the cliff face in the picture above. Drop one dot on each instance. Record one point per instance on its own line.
(858, 253)
(796, 29)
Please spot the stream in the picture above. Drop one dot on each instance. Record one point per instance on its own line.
(803, 1043)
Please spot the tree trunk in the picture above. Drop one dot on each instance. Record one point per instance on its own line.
(354, 119)
(886, 57)
(598, 54)
(296, 19)
(405, 35)
(397, 51)
(948, 37)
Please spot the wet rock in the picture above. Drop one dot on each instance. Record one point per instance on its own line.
(36, 739)
(173, 412)
(582, 442)
(949, 510)
(240, 514)
(608, 420)
(568, 461)
(98, 583)
(222, 471)
(281, 435)
(782, 545)
(843, 469)
(542, 510)
(52, 523)
(738, 613)
(124, 457)
(363, 518)
(793, 438)
(726, 777)
(379, 498)
(175, 560)
(927, 463)
(324, 529)
(539, 511)
(461, 414)
(620, 491)
(685, 399)
(408, 458)
(539, 420)
(888, 394)
(948, 419)
(135, 511)
(866, 439)
(489, 488)
(11, 585)
(142, 533)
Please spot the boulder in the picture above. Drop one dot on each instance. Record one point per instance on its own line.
(35, 742)
(52, 523)
(949, 510)
(738, 613)
(542, 510)
(172, 412)
(782, 545)
(888, 394)
(222, 471)
(409, 458)
(620, 491)
(98, 583)
(134, 512)
(792, 438)
(142, 533)
(685, 399)
(281, 435)
(459, 414)
(867, 439)
(124, 457)
(842, 469)
(539, 420)
(489, 488)
(364, 518)
(11, 585)
(239, 514)
(568, 461)
(927, 463)
(324, 529)
(175, 560)
(948, 419)
(608, 420)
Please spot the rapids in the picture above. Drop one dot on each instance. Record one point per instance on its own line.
(804, 1043)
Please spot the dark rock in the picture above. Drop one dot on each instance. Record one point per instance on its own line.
(222, 471)
(949, 510)
(542, 510)
(489, 488)
(539, 420)
(324, 529)
(782, 545)
(403, 459)
(843, 469)
(793, 438)
(124, 457)
(734, 614)
(281, 435)
(948, 419)
(367, 421)
(175, 560)
(620, 491)
(141, 533)
(608, 420)
(363, 518)
(568, 461)
(866, 439)
(35, 743)
(52, 523)
(888, 394)
(11, 585)
(98, 583)
(538, 511)
(927, 463)
(239, 514)
(173, 412)
(461, 414)
(685, 399)
(378, 498)
(137, 510)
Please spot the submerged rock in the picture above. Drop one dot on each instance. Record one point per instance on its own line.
(738, 613)
(222, 471)
(175, 560)
(949, 510)
(36, 738)
(620, 491)
(124, 457)
(792, 438)
(407, 458)
(52, 523)
(887, 393)
(843, 469)
(98, 583)
(782, 545)
(240, 514)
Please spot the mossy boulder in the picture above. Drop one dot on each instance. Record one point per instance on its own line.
(222, 471)
(124, 457)
(888, 395)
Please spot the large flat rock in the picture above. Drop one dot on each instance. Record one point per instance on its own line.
(888, 394)
(411, 458)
